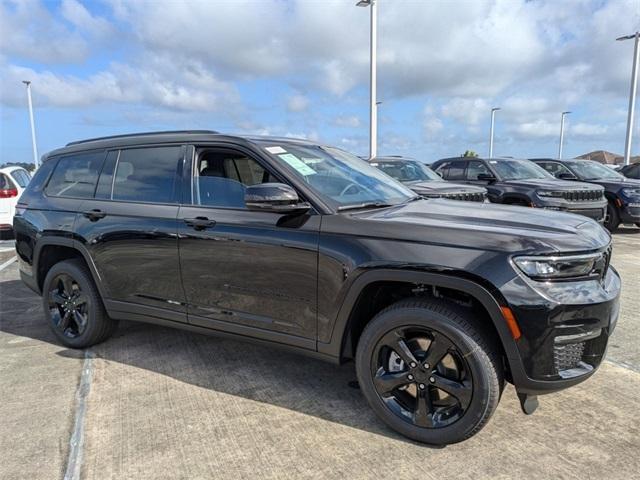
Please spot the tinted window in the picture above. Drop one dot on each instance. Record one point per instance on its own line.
(5, 183)
(21, 177)
(148, 175)
(456, 170)
(222, 177)
(554, 168)
(75, 176)
(475, 168)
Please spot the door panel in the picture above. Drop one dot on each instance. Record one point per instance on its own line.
(256, 269)
(135, 251)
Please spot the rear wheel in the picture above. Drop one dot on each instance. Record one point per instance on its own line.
(73, 306)
(427, 372)
(611, 219)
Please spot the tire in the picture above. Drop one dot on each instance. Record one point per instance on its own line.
(69, 289)
(478, 366)
(612, 218)
(638, 225)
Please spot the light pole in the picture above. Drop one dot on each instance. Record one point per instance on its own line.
(493, 120)
(33, 127)
(373, 106)
(561, 134)
(632, 95)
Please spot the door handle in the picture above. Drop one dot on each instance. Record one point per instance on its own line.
(94, 215)
(199, 223)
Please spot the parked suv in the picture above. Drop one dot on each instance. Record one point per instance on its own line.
(631, 171)
(425, 182)
(308, 247)
(622, 194)
(520, 182)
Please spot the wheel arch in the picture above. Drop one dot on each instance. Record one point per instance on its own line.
(346, 320)
(51, 250)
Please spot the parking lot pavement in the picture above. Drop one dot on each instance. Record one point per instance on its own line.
(163, 403)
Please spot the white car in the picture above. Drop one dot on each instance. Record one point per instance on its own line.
(13, 181)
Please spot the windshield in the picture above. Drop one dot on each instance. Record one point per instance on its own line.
(407, 171)
(590, 170)
(344, 179)
(518, 170)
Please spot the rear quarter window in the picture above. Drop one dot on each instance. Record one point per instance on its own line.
(75, 175)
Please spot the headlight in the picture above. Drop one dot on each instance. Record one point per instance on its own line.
(550, 193)
(631, 192)
(562, 267)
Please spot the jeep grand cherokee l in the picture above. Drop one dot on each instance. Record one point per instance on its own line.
(425, 182)
(622, 193)
(520, 182)
(308, 247)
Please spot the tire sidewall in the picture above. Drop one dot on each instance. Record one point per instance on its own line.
(85, 283)
(614, 218)
(485, 380)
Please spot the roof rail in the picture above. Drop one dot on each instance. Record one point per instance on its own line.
(141, 134)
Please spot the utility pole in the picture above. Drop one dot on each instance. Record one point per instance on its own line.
(493, 119)
(561, 134)
(373, 103)
(33, 127)
(632, 95)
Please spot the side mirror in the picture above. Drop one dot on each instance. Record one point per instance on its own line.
(566, 176)
(486, 177)
(275, 198)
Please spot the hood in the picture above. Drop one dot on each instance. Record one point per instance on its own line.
(552, 183)
(486, 226)
(443, 188)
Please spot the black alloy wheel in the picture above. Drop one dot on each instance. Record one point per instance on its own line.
(74, 307)
(68, 306)
(428, 370)
(421, 376)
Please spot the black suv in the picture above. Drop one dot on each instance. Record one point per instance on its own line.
(425, 182)
(520, 182)
(308, 247)
(631, 171)
(623, 194)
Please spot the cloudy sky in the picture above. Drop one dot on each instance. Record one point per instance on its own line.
(300, 68)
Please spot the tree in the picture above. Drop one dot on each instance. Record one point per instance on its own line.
(30, 167)
(469, 153)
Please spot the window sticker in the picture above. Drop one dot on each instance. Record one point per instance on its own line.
(275, 149)
(298, 164)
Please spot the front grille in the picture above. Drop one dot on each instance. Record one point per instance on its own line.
(567, 357)
(582, 195)
(467, 197)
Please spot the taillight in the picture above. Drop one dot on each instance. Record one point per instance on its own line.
(8, 192)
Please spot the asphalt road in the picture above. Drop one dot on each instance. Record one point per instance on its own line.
(157, 403)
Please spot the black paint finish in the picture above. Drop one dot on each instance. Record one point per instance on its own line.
(294, 279)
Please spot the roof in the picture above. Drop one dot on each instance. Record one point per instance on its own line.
(176, 136)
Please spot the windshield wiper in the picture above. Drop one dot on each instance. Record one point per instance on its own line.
(365, 205)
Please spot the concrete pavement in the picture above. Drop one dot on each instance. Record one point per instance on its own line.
(164, 403)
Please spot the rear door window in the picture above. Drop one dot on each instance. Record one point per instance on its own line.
(150, 175)
(76, 175)
(456, 170)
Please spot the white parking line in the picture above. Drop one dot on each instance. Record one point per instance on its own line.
(7, 263)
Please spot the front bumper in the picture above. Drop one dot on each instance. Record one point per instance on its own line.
(630, 213)
(595, 210)
(565, 330)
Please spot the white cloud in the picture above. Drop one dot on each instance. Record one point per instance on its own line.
(297, 103)
(468, 111)
(349, 121)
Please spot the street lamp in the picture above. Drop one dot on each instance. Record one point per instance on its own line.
(493, 119)
(632, 95)
(561, 134)
(373, 108)
(33, 128)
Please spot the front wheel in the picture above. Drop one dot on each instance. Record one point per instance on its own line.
(427, 372)
(73, 306)
(611, 219)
